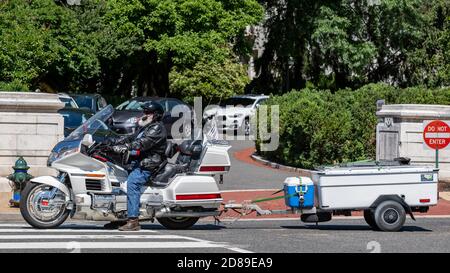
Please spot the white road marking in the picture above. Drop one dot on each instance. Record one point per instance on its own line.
(240, 250)
(22, 230)
(97, 236)
(69, 241)
(110, 245)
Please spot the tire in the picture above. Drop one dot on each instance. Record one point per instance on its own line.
(178, 223)
(390, 216)
(30, 217)
(370, 219)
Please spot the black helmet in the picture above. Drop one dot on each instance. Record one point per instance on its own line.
(152, 107)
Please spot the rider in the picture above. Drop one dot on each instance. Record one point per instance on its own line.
(147, 146)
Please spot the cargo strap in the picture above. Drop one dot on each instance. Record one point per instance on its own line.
(274, 198)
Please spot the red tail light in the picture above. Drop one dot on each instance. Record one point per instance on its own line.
(198, 196)
(212, 168)
(424, 200)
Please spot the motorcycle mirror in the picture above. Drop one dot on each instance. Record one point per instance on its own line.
(87, 140)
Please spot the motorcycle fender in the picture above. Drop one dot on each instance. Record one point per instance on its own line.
(54, 182)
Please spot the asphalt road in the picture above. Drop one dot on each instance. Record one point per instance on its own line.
(350, 235)
(247, 176)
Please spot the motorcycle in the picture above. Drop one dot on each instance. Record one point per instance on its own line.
(91, 183)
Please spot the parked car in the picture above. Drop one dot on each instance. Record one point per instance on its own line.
(234, 113)
(128, 113)
(73, 118)
(94, 102)
(68, 101)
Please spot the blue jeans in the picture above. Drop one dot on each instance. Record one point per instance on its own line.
(136, 180)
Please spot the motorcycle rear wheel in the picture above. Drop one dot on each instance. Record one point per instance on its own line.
(35, 208)
(178, 222)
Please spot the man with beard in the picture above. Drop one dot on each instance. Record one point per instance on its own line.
(147, 147)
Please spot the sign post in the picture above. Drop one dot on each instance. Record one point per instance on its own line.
(436, 135)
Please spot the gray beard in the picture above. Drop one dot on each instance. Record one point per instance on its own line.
(144, 123)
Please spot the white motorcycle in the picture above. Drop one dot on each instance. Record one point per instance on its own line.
(91, 184)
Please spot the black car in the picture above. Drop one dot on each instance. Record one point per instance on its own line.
(73, 118)
(95, 102)
(127, 114)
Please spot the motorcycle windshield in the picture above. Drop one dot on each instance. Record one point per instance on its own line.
(97, 125)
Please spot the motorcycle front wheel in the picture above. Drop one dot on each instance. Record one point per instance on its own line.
(177, 222)
(42, 206)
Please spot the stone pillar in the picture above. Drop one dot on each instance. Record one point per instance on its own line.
(400, 134)
(30, 126)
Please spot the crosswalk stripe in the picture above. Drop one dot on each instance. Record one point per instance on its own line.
(240, 250)
(109, 245)
(21, 232)
(99, 236)
(14, 225)
(31, 230)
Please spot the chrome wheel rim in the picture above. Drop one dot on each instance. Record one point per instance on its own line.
(46, 204)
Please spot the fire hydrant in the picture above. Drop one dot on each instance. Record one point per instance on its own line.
(18, 179)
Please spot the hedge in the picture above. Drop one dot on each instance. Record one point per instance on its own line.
(321, 128)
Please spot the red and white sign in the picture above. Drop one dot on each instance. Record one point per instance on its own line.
(436, 134)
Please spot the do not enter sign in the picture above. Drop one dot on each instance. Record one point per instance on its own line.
(436, 134)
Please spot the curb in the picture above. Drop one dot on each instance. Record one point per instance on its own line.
(304, 172)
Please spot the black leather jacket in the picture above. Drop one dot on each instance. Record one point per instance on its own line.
(149, 143)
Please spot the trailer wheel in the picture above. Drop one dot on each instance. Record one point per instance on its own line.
(390, 216)
(370, 219)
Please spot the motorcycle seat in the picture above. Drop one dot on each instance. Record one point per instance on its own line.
(162, 178)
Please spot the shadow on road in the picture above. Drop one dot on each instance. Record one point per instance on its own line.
(353, 228)
(195, 227)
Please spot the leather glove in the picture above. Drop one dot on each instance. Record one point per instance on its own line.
(119, 149)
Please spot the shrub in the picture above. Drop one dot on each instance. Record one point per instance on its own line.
(319, 128)
(213, 81)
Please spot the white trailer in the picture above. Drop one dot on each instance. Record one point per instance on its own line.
(386, 192)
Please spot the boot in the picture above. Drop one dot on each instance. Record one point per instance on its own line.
(131, 225)
(114, 224)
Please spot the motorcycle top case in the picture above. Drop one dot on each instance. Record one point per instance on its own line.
(294, 187)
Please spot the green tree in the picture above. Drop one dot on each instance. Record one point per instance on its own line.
(348, 43)
(178, 33)
(210, 80)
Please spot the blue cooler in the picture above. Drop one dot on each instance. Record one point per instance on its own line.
(292, 188)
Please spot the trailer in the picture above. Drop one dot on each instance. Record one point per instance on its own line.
(385, 191)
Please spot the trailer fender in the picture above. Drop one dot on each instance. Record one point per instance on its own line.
(396, 198)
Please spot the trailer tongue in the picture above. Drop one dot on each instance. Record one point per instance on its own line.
(385, 191)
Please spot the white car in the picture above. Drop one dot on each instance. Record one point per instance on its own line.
(234, 113)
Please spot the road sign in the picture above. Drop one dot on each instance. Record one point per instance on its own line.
(436, 134)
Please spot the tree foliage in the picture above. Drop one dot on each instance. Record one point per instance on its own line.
(349, 43)
(117, 46)
(210, 80)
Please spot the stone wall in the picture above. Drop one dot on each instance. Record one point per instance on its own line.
(400, 134)
(29, 126)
